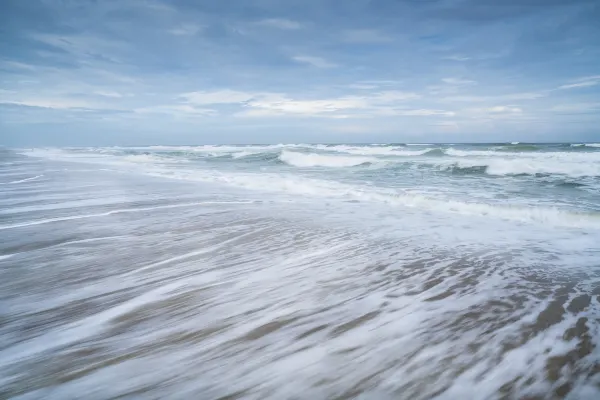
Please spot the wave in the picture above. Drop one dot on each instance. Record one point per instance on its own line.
(292, 184)
(515, 167)
(516, 147)
(23, 180)
(556, 156)
(373, 151)
(435, 153)
(320, 160)
(296, 185)
(120, 211)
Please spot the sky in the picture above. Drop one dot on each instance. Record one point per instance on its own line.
(134, 72)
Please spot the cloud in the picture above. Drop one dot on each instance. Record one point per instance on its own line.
(280, 23)
(456, 57)
(321, 64)
(176, 110)
(582, 82)
(225, 96)
(104, 93)
(85, 46)
(508, 112)
(426, 112)
(422, 112)
(53, 103)
(379, 103)
(314, 61)
(503, 109)
(458, 81)
(8, 64)
(496, 98)
(364, 36)
(576, 108)
(185, 30)
(321, 107)
(362, 86)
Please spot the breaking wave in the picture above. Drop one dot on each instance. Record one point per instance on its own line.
(319, 160)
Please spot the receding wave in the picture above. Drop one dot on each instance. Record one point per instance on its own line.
(523, 167)
(316, 187)
(293, 184)
(23, 180)
(321, 160)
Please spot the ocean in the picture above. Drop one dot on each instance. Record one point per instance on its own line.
(379, 271)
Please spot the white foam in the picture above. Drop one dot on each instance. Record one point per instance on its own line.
(298, 185)
(144, 158)
(23, 180)
(515, 142)
(121, 211)
(373, 151)
(321, 160)
(242, 154)
(315, 187)
(531, 166)
(556, 156)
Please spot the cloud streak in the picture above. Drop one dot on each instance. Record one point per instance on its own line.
(387, 66)
(316, 62)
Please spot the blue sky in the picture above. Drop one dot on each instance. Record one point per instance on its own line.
(191, 72)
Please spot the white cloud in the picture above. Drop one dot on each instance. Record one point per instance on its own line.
(457, 57)
(422, 112)
(364, 36)
(393, 95)
(576, 108)
(380, 103)
(86, 46)
(495, 113)
(54, 103)
(504, 109)
(426, 112)
(583, 82)
(281, 23)
(225, 96)
(381, 82)
(16, 65)
(458, 81)
(263, 104)
(108, 94)
(176, 110)
(286, 105)
(317, 62)
(362, 86)
(185, 30)
(497, 98)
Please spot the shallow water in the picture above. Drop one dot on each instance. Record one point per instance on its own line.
(301, 272)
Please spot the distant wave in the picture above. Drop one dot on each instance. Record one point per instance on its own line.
(509, 167)
(320, 160)
(516, 147)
